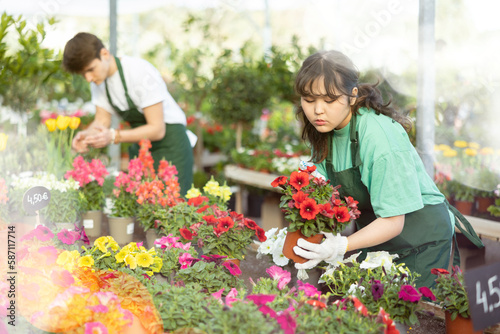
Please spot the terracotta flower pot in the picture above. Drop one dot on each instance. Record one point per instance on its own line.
(460, 325)
(92, 221)
(291, 241)
(464, 207)
(121, 229)
(482, 204)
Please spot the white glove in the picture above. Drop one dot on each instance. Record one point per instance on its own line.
(332, 249)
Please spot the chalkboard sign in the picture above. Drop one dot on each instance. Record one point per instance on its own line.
(36, 198)
(483, 290)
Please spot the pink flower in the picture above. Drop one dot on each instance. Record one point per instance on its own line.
(279, 274)
(99, 308)
(233, 268)
(68, 237)
(218, 295)
(62, 278)
(185, 260)
(50, 253)
(95, 327)
(42, 233)
(309, 290)
(409, 293)
(267, 310)
(426, 292)
(105, 297)
(287, 322)
(260, 300)
(231, 297)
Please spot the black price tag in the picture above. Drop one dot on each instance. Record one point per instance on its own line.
(36, 198)
(483, 290)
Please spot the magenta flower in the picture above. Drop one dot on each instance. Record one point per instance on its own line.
(426, 292)
(231, 297)
(377, 290)
(267, 310)
(185, 260)
(95, 327)
(279, 274)
(218, 295)
(213, 257)
(287, 322)
(308, 289)
(139, 244)
(409, 293)
(233, 268)
(68, 237)
(42, 233)
(260, 300)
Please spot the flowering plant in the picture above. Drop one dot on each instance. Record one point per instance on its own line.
(273, 246)
(450, 292)
(90, 177)
(312, 205)
(378, 282)
(495, 209)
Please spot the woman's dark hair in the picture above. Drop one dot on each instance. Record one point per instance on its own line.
(339, 76)
(80, 51)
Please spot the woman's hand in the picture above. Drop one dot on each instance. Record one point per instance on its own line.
(332, 249)
(79, 144)
(101, 137)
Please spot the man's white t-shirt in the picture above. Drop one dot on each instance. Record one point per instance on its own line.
(145, 87)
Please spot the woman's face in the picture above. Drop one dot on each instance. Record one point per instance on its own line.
(325, 113)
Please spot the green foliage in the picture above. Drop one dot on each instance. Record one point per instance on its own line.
(124, 205)
(209, 276)
(495, 209)
(64, 207)
(170, 258)
(451, 294)
(462, 192)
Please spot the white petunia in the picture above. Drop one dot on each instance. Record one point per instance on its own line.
(378, 259)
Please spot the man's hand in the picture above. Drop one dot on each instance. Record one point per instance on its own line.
(332, 249)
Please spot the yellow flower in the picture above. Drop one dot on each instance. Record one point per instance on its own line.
(211, 187)
(51, 124)
(131, 261)
(101, 243)
(472, 152)
(150, 273)
(157, 264)
(474, 145)
(74, 123)
(486, 151)
(120, 257)
(131, 247)
(113, 245)
(224, 193)
(3, 141)
(62, 122)
(444, 147)
(144, 259)
(460, 143)
(63, 258)
(450, 153)
(104, 255)
(86, 261)
(193, 192)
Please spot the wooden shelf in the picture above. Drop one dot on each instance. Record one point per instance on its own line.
(485, 228)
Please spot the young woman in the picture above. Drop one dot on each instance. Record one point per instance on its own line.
(133, 89)
(360, 143)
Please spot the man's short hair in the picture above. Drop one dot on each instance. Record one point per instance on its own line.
(80, 51)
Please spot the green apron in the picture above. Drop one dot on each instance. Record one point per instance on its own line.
(174, 147)
(427, 236)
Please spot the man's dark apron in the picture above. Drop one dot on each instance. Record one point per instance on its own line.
(426, 239)
(174, 147)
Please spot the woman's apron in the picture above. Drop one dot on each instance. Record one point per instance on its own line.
(174, 147)
(427, 237)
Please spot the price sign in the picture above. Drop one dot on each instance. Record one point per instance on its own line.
(36, 198)
(483, 290)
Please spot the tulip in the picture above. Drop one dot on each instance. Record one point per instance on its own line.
(62, 122)
(74, 123)
(3, 141)
(51, 124)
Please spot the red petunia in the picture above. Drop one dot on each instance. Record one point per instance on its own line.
(196, 201)
(203, 208)
(341, 214)
(186, 234)
(311, 169)
(236, 216)
(299, 180)
(316, 303)
(279, 181)
(359, 306)
(211, 220)
(250, 223)
(426, 292)
(225, 223)
(309, 209)
(437, 271)
(218, 231)
(299, 197)
(260, 233)
(326, 210)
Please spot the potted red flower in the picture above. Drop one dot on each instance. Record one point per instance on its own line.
(312, 206)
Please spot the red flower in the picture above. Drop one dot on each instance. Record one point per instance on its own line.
(236, 216)
(196, 201)
(211, 220)
(326, 210)
(426, 292)
(299, 197)
(311, 169)
(341, 213)
(219, 230)
(225, 223)
(250, 223)
(359, 306)
(309, 209)
(260, 233)
(279, 181)
(186, 234)
(316, 303)
(299, 180)
(203, 208)
(385, 318)
(437, 271)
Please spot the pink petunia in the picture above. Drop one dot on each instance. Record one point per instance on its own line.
(68, 237)
(98, 308)
(409, 293)
(267, 310)
(279, 274)
(185, 260)
(309, 290)
(231, 297)
(287, 322)
(260, 300)
(95, 327)
(426, 292)
(43, 233)
(233, 268)
(218, 295)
